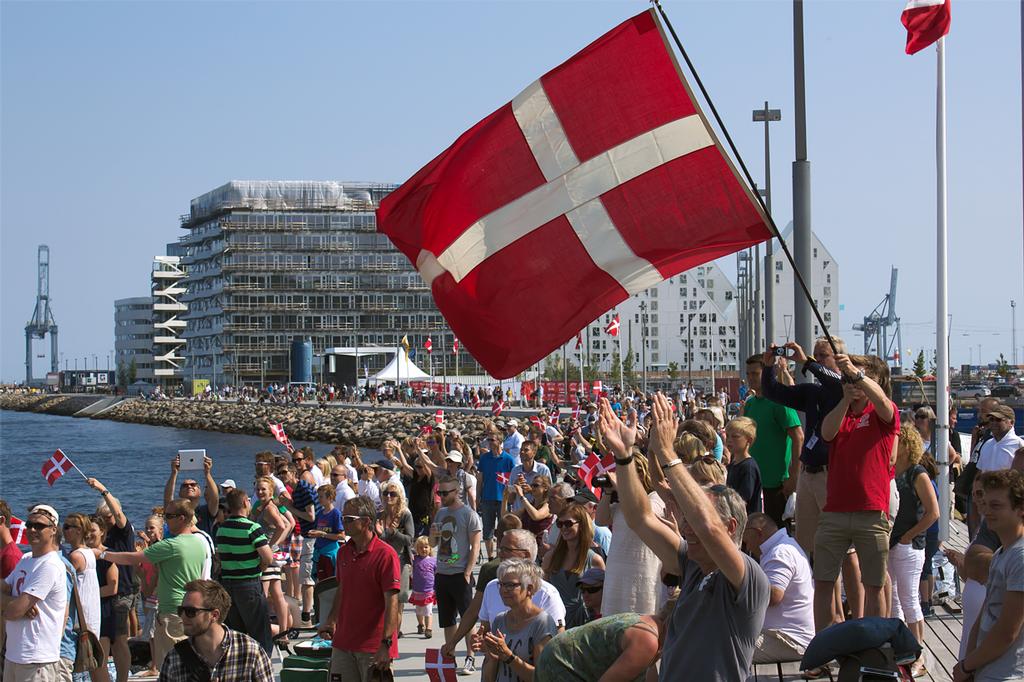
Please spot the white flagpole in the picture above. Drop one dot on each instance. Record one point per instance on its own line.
(942, 434)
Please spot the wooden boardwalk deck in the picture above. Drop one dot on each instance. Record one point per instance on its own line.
(942, 632)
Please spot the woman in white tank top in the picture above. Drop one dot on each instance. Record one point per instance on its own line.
(76, 528)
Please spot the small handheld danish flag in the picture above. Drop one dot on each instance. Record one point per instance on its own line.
(18, 531)
(497, 407)
(281, 436)
(476, 400)
(439, 668)
(612, 328)
(553, 417)
(598, 388)
(55, 467)
(439, 417)
(502, 477)
(536, 421)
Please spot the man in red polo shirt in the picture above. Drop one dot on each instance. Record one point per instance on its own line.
(365, 616)
(862, 431)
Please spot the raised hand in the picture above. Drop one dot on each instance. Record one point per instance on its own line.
(616, 435)
(663, 426)
(176, 463)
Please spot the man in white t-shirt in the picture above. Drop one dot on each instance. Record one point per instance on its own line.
(513, 439)
(789, 622)
(35, 603)
(997, 452)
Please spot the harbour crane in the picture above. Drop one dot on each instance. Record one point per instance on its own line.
(42, 322)
(876, 327)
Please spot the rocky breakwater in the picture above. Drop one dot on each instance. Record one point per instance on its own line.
(367, 428)
(47, 403)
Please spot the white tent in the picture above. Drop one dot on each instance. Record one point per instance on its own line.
(400, 369)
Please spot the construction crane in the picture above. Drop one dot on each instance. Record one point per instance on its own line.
(876, 327)
(42, 322)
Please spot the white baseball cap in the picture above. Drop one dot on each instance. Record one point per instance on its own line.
(454, 456)
(228, 483)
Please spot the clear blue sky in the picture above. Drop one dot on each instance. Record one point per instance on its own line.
(115, 115)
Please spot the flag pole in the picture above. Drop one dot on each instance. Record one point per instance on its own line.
(746, 174)
(942, 433)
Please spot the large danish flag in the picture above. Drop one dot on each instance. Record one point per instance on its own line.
(56, 466)
(598, 181)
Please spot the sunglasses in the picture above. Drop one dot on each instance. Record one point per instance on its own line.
(190, 611)
(447, 492)
(35, 525)
(189, 484)
(509, 586)
(173, 516)
(391, 493)
(568, 523)
(591, 589)
(334, 475)
(350, 518)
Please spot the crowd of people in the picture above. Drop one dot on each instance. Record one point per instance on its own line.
(647, 536)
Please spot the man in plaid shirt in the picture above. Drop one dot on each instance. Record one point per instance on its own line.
(212, 651)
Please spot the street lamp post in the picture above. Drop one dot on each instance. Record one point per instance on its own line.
(767, 116)
(643, 343)
(803, 315)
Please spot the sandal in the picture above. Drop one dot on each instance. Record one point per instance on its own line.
(816, 673)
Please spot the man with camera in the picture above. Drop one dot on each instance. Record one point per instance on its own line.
(779, 440)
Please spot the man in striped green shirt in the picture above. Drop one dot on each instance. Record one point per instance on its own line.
(244, 552)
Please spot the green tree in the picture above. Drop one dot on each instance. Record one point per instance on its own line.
(616, 365)
(919, 370)
(132, 371)
(673, 370)
(122, 374)
(1002, 366)
(553, 368)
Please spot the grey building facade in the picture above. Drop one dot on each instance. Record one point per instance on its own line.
(133, 335)
(271, 260)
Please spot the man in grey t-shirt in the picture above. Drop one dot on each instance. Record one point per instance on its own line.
(724, 592)
(456, 533)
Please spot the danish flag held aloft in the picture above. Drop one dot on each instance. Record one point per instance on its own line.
(599, 180)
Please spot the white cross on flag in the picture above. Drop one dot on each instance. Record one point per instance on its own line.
(612, 328)
(497, 407)
(553, 417)
(579, 340)
(428, 345)
(476, 401)
(594, 466)
(601, 179)
(281, 436)
(439, 417)
(56, 466)
(439, 668)
(598, 388)
(502, 477)
(18, 531)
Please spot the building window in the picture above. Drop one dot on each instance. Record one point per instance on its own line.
(728, 295)
(778, 266)
(654, 357)
(711, 295)
(828, 277)
(815, 252)
(654, 344)
(710, 284)
(682, 279)
(654, 306)
(778, 278)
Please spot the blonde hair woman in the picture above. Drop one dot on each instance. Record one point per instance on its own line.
(632, 580)
(77, 528)
(397, 529)
(570, 558)
(276, 526)
(707, 471)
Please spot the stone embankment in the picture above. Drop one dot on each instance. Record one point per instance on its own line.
(338, 425)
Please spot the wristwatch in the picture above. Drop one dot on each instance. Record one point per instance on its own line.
(387, 641)
(858, 377)
(624, 462)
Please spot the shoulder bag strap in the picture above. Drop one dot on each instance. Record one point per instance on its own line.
(78, 601)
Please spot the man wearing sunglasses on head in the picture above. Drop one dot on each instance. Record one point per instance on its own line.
(725, 593)
(211, 650)
(34, 603)
(365, 614)
(180, 560)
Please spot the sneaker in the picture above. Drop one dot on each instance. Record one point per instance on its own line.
(470, 667)
(428, 633)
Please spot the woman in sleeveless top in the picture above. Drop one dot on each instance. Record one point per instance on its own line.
(569, 559)
(76, 531)
(276, 526)
(624, 646)
(534, 513)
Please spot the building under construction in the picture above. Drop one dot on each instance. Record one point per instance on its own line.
(269, 261)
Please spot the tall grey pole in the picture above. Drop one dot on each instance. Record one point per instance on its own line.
(941, 286)
(758, 339)
(802, 317)
(643, 343)
(767, 116)
(741, 307)
(1013, 330)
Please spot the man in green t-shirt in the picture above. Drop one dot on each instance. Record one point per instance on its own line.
(180, 560)
(244, 552)
(776, 449)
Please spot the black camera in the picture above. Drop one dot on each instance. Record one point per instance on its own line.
(780, 351)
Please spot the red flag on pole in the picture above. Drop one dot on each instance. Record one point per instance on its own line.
(553, 417)
(476, 400)
(497, 407)
(439, 668)
(280, 435)
(18, 531)
(603, 170)
(579, 340)
(56, 466)
(598, 388)
(439, 417)
(926, 21)
(428, 345)
(612, 328)
(455, 347)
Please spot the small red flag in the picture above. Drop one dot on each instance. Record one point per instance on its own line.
(597, 387)
(439, 417)
(497, 407)
(579, 340)
(926, 21)
(428, 345)
(439, 668)
(553, 417)
(56, 466)
(536, 421)
(280, 435)
(476, 400)
(455, 347)
(612, 328)
(18, 531)
(503, 477)
(426, 430)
